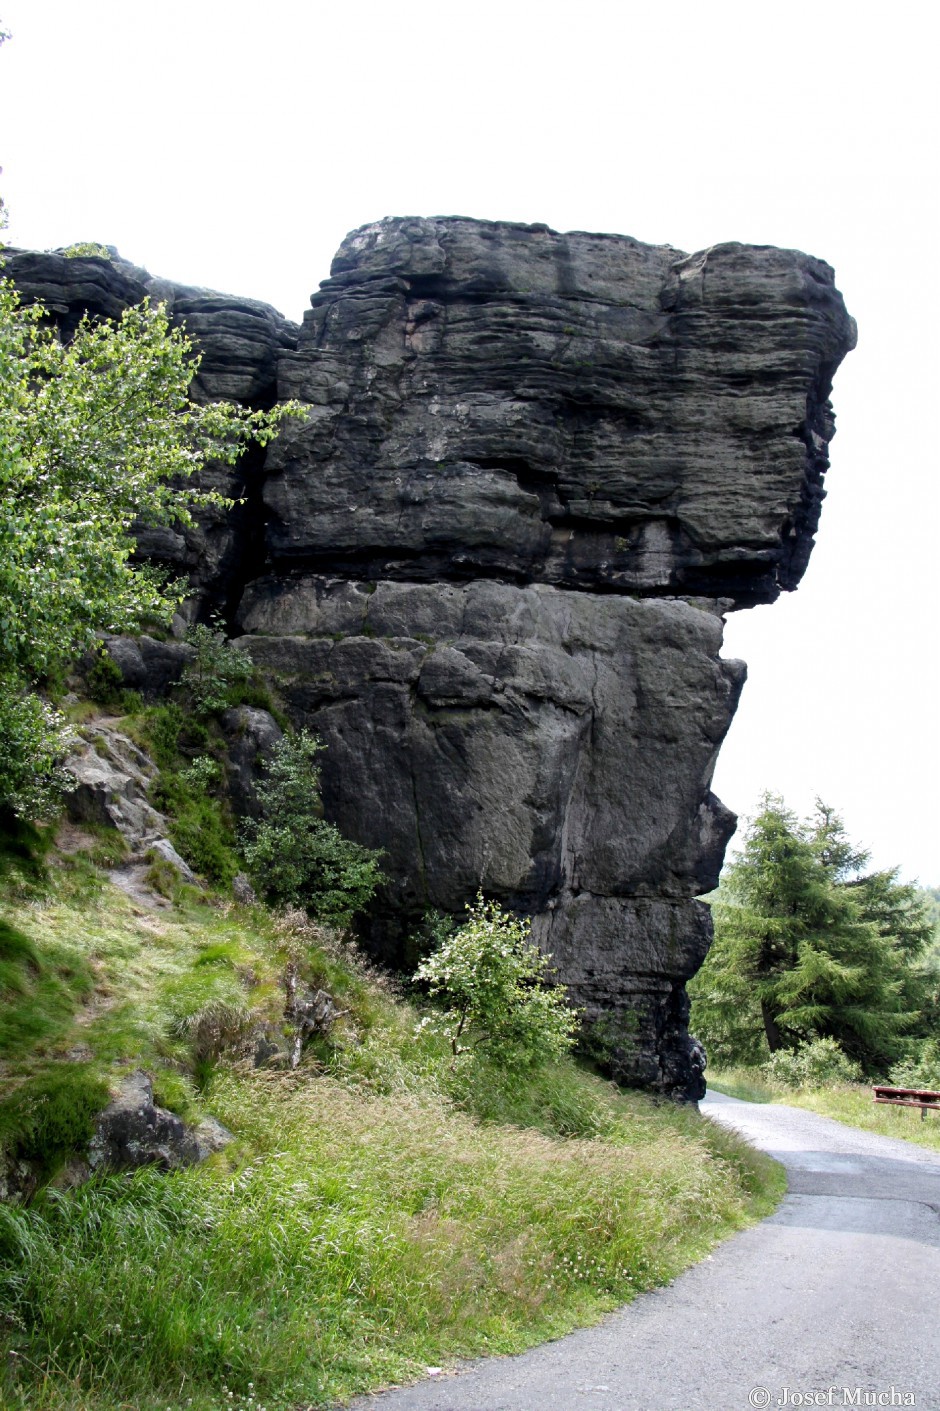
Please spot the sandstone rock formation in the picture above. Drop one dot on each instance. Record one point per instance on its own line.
(490, 568)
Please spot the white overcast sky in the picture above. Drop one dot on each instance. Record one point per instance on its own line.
(233, 145)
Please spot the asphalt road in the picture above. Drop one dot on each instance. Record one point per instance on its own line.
(832, 1301)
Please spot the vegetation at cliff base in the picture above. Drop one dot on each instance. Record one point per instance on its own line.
(378, 1211)
(295, 856)
(809, 946)
(493, 985)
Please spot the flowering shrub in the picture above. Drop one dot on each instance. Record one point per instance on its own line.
(493, 984)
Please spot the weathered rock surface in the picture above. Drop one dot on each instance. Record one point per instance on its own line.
(250, 735)
(554, 747)
(490, 568)
(111, 779)
(133, 1131)
(583, 410)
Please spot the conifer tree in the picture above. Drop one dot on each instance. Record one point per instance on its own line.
(799, 952)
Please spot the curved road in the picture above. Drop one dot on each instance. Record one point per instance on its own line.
(832, 1301)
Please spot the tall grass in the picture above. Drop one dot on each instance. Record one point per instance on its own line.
(376, 1213)
(354, 1242)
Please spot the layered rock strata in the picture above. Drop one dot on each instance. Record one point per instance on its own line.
(490, 570)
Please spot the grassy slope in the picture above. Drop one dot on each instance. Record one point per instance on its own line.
(846, 1102)
(366, 1222)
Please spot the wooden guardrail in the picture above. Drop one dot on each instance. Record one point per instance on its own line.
(924, 1098)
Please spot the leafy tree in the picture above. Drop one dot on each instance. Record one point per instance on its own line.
(493, 982)
(216, 671)
(95, 435)
(896, 909)
(804, 948)
(295, 857)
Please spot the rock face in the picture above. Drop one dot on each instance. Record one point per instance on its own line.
(581, 410)
(537, 470)
(490, 569)
(111, 778)
(132, 1131)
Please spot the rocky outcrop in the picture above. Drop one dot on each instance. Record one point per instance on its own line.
(581, 410)
(490, 569)
(133, 1131)
(553, 747)
(537, 470)
(110, 785)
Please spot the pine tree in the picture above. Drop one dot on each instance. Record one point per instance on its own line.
(799, 952)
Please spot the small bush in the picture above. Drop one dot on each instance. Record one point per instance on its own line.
(921, 1069)
(204, 775)
(217, 672)
(162, 727)
(492, 981)
(199, 828)
(104, 679)
(294, 856)
(34, 741)
(85, 249)
(814, 1065)
(105, 685)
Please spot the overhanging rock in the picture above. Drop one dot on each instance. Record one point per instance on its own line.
(537, 470)
(490, 568)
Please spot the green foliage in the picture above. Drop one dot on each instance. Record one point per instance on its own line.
(85, 249)
(23, 848)
(203, 775)
(360, 1241)
(105, 685)
(812, 1065)
(217, 673)
(103, 680)
(493, 984)
(189, 790)
(49, 1116)
(34, 740)
(161, 727)
(921, 1068)
(429, 935)
(610, 1038)
(294, 856)
(40, 990)
(207, 1006)
(365, 1223)
(96, 434)
(557, 1097)
(199, 826)
(804, 948)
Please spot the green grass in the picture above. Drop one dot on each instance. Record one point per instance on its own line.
(376, 1213)
(354, 1242)
(851, 1103)
(46, 1117)
(40, 990)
